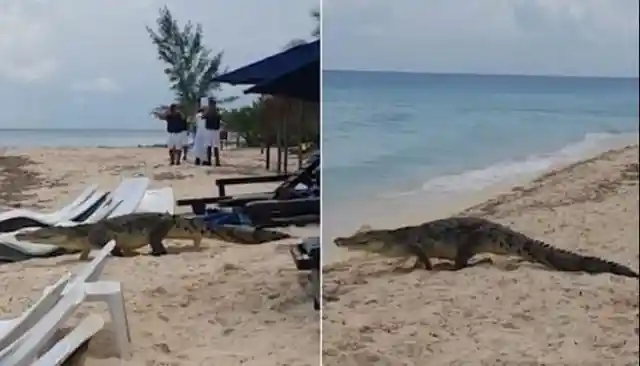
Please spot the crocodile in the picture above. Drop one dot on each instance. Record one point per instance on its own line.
(458, 239)
(136, 230)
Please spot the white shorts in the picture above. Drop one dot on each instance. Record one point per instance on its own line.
(177, 140)
(211, 138)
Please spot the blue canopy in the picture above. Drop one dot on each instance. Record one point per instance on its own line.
(302, 83)
(293, 73)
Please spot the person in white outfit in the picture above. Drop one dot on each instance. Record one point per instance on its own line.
(200, 143)
(209, 132)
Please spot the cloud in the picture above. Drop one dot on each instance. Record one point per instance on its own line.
(51, 49)
(23, 45)
(54, 38)
(578, 37)
(101, 84)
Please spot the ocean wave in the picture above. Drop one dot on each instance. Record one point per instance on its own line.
(515, 170)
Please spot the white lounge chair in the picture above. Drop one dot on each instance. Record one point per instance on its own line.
(78, 338)
(158, 200)
(80, 205)
(109, 292)
(124, 200)
(12, 329)
(87, 280)
(25, 350)
(91, 272)
(88, 272)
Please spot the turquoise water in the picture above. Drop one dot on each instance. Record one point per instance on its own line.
(391, 134)
(80, 137)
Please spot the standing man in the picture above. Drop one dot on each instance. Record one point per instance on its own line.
(211, 131)
(185, 142)
(176, 127)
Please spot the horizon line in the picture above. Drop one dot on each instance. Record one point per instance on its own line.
(482, 74)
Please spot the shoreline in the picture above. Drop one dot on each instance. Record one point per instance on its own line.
(417, 206)
(505, 312)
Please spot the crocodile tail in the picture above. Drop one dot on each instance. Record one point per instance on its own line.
(563, 260)
(242, 234)
(266, 235)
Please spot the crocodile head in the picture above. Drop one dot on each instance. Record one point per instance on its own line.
(64, 237)
(183, 227)
(367, 239)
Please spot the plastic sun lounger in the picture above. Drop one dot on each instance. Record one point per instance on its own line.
(73, 347)
(264, 214)
(90, 272)
(25, 350)
(304, 175)
(21, 222)
(17, 219)
(158, 200)
(124, 200)
(65, 213)
(12, 329)
(276, 213)
(94, 290)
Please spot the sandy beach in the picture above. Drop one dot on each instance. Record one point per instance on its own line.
(225, 305)
(504, 313)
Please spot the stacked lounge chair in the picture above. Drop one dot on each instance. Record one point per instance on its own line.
(123, 200)
(77, 211)
(24, 339)
(286, 205)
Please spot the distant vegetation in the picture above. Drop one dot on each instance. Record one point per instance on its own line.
(191, 67)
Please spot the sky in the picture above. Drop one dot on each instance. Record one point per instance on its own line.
(90, 63)
(539, 37)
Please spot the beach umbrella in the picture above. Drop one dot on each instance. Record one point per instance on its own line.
(302, 83)
(292, 73)
(281, 63)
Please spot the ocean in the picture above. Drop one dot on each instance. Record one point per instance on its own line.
(26, 138)
(391, 139)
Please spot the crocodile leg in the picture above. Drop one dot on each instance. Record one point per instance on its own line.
(197, 242)
(400, 267)
(84, 254)
(418, 246)
(126, 252)
(155, 241)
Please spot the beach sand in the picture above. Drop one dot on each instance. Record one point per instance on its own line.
(504, 313)
(225, 305)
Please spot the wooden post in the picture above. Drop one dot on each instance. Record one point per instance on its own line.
(279, 146)
(300, 124)
(267, 155)
(285, 135)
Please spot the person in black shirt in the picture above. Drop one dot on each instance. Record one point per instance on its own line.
(212, 121)
(177, 129)
(185, 138)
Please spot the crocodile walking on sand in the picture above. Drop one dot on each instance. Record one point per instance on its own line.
(460, 238)
(136, 230)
